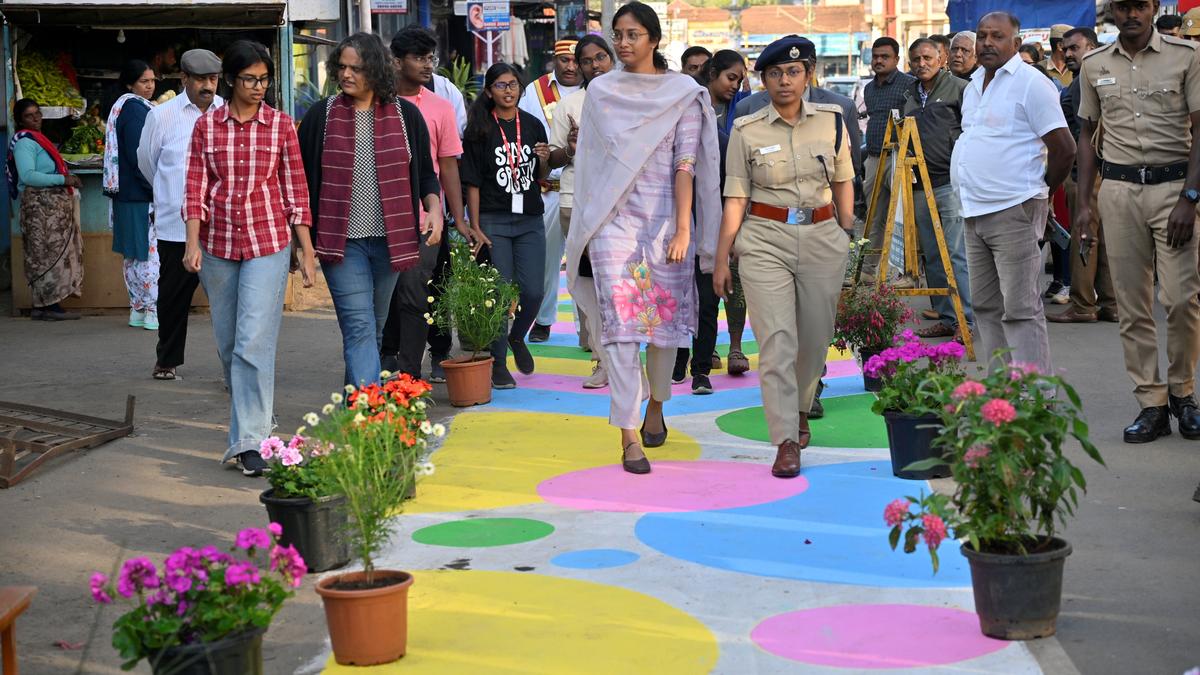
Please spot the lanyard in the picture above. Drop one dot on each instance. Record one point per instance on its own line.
(513, 158)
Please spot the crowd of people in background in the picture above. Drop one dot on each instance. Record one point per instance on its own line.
(613, 167)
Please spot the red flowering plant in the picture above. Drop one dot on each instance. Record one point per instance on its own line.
(1004, 439)
(904, 366)
(376, 448)
(868, 317)
(199, 595)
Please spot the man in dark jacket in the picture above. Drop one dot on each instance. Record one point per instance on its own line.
(1092, 294)
(935, 101)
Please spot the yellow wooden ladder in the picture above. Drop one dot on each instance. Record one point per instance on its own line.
(906, 149)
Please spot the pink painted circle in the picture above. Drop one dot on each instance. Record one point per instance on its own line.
(875, 637)
(670, 487)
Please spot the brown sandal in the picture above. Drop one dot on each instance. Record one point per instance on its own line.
(637, 466)
(737, 363)
(937, 330)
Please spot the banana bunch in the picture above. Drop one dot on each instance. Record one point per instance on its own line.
(167, 96)
(42, 81)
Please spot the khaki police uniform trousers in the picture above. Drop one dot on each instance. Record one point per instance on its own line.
(791, 276)
(1091, 284)
(1135, 229)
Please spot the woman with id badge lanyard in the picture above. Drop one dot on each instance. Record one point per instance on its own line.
(505, 154)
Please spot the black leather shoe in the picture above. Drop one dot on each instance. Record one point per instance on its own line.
(521, 355)
(1185, 410)
(1151, 424)
(637, 466)
(654, 440)
(817, 411)
(539, 333)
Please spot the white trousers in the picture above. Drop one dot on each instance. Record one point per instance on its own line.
(627, 382)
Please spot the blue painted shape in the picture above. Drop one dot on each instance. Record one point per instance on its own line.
(595, 558)
(543, 400)
(841, 513)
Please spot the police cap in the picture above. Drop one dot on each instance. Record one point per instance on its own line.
(786, 49)
(1191, 22)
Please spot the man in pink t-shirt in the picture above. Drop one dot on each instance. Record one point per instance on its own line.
(414, 48)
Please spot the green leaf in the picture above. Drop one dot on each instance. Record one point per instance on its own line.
(894, 537)
(911, 537)
(923, 464)
(933, 555)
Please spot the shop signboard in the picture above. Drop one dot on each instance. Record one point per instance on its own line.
(493, 15)
(711, 40)
(389, 6)
(827, 44)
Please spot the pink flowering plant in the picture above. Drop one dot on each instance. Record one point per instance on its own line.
(297, 467)
(1005, 438)
(868, 317)
(199, 595)
(904, 366)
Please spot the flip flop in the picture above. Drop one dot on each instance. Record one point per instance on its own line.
(164, 373)
(737, 363)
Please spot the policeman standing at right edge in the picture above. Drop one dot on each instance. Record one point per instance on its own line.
(788, 174)
(1141, 91)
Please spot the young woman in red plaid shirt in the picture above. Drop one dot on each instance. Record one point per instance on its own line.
(246, 195)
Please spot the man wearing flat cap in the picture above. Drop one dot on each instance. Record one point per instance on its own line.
(162, 159)
(1142, 91)
(1056, 61)
(541, 99)
(788, 210)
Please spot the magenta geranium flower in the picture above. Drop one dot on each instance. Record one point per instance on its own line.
(935, 529)
(241, 574)
(998, 411)
(99, 584)
(251, 538)
(137, 574)
(895, 512)
(287, 561)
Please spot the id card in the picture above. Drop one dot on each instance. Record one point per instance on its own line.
(518, 203)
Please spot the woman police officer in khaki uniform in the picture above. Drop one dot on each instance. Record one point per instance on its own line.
(788, 209)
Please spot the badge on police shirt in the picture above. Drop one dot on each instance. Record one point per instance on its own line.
(769, 149)
(1106, 80)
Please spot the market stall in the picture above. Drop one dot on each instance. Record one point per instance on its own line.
(67, 57)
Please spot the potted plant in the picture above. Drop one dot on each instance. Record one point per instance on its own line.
(867, 318)
(905, 406)
(205, 611)
(1003, 438)
(477, 302)
(379, 441)
(302, 500)
(459, 74)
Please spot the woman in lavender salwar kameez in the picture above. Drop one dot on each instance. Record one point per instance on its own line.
(647, 144)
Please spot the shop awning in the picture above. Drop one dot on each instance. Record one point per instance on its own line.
(131, 14)
(965, 14)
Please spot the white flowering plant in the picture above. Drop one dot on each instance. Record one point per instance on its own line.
(475, 300)
(373, 448)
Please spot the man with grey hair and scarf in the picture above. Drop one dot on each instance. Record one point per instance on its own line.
(962, 54)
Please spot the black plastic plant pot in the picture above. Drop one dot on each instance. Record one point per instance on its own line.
(1017, 597)
(870, 383)
(238, 654)
(910, 439)
(315, 528)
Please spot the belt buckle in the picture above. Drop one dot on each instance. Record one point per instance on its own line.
(1142, 172)
(795, 216)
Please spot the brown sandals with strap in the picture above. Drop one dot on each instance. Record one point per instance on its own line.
(638, 466)
(738, 363)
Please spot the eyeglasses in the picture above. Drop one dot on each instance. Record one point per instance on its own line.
(629, 36)
(506, 86)
(251, 82)
(602, 57)
(793, 73)
(431, 60)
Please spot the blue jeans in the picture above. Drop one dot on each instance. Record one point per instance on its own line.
(519, 254)
(361, 286)
(950, 211)
(246, 301)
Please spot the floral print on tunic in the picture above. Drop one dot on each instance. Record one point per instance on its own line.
(643, 302)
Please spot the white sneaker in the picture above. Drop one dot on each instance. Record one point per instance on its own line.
(151, 320)
(599, 378)
(137, 319)
(1062, 297)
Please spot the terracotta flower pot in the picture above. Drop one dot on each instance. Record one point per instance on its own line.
(468, 382)
(367, 626)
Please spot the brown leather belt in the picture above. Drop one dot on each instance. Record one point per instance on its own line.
(792, 216)
(549, 185)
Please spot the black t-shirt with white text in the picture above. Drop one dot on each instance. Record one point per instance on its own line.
(486, 165)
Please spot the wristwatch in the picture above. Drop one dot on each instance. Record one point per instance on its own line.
(1191, 194)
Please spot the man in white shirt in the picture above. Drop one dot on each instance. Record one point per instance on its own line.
(541, 99)
(445, 88)
(162, 159)
(1014, 151)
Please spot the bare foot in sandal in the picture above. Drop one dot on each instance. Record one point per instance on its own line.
(161, 373)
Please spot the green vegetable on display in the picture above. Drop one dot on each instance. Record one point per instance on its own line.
(43, 81)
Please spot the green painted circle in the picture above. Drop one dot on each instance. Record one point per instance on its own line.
(848, 423)
(483, 532)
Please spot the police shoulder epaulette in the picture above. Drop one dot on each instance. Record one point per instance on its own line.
(750, 117)
(827, 107)
(1179, 42)
(1099, 50)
